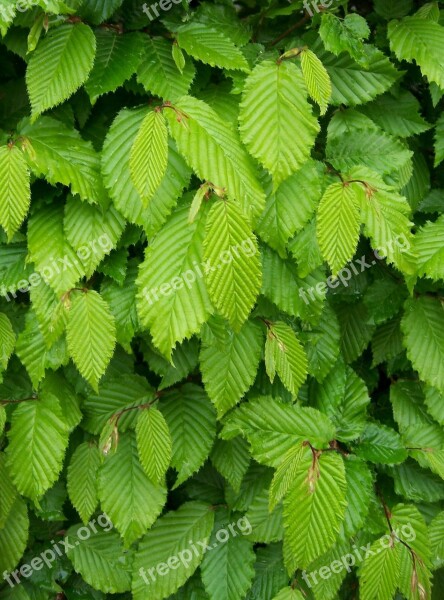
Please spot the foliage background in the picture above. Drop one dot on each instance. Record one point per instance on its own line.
(159, 146)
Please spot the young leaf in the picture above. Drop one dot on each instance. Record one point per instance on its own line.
(82, 480)
(154, 444)
(285, 355)
(276, 122)
(149, 155)
(60, 64)
(231, 257)
(15, 192)
(91, 335)
(7, 340)
(316, 79)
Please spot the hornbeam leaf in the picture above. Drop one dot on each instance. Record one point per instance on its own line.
(59, 66)
(117, 58)
(191, 420)
(154, 443)
(33, 463)
(14, 536)
(15, 194)
(276, 122)
(314, 508)
(82, 480)
(231, 459)
(128, 497)
(429, 247)
(149, 155)
(439, 141)
(229, 361)
(100, 559)
(159, 74)
(91, 335)
(172, 299)
(423, 329)
(289, 593)
(316, 79)
(419, 40)
(61, 155)
(285, 473)
(380, 572)
(170, 537)
(9, 491)
(285, 355)
(210, 46)
(213, 149)
(227, 571)
(7, 340)
(231, 256)
(338, 225)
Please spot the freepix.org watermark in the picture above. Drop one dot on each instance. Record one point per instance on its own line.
(56, 267)
(152, 11)
(189, 277)
(58, 549)
(406, 533)
(184, 557)
(353, 268)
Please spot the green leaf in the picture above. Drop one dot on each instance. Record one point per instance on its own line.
(192, 423)
(60, 64)
(379, 573)
(91, 231)
(272, 428)
(9, 492)
(14, 536)
(172, 299)
(82, 480)
(423, 329)
(35, 465)
(439, 141)
(59, 153)
(100, 559)
(428, 245)
(149, 155)
(436, 533)
(159, 74)
(117, 58)
(316, 79)
(359, 495)
(338, 225)
(356, 332)
(91, 335)
(7, 340)
(227, 570)
(289, 593)
(210, 46)
(231, 257)
(214, 151)
(231, 459)
(14, 189)
(117, 175)
(346, 35)
(276, 122)
(419, 40)
(281, 219)
(170, 538)
(270, 572)
(128, 497)
(286, 472)
(154, 444)
(265, 526)
(229, 361)
(381, 444)
(313, 508)
(285, 355)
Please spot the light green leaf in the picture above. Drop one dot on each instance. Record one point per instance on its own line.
(276, 122)
(126, 494)
(213, 149)
(60, 64)
(7, 340)
(229, 361)
(82, 480)
(316, 79)
(14, 536)
(91, 335)
(210, 46)
(15, 192)
(231, 257)
(154, 443)
(380, 572)
(149, 155)
(429, 247)
(34, 464)
(285, 355)
(338, 225)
